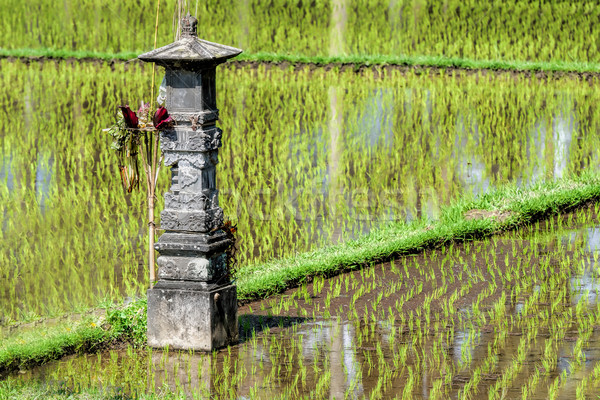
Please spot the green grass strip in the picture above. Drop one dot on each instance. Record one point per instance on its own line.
(519, 206)
(77, 54)
(357, 60)
(122, 323)
(425, 61)
(36, 349)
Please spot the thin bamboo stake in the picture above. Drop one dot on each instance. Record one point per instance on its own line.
(151, 170)
(155, 42)
(151, 194)
(150, 189)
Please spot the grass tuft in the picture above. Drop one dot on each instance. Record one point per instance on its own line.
(122, 323)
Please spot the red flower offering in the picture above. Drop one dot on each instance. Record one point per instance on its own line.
(131, 120)
(162, 119)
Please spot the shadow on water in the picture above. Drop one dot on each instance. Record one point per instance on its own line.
(253, 324)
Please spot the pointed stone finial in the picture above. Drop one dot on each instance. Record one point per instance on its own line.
(188, 26)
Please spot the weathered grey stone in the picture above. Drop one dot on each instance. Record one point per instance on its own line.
(195, 118)
(189, 140)
(193, 159)
(190, 52)
(192, 319)
(192, 244)
(205, 200)
(204, 269)
(190, 308)
(193, 180)
(191, 221)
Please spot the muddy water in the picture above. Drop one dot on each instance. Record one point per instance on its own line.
(512, 316)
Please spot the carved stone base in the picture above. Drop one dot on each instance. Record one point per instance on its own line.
(191, 244)
(192, 316)
(192, 256)
(205, 269)
(191, 221)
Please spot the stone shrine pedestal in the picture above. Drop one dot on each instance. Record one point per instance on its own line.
(191, 316)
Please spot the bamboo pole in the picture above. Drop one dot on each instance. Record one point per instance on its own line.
(152, 170)
(155, 42)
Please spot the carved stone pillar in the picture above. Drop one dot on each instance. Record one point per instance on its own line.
(192, 306)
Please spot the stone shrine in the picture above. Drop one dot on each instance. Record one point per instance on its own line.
(193, 305)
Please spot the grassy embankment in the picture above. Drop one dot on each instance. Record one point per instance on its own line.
(356, 60)
(509, 207)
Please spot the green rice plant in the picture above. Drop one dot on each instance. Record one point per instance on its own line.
(290, 207)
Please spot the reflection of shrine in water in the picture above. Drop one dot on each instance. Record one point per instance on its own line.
(195, 373)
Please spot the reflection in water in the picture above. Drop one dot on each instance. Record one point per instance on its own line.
(331, 182)
(243, 21)
(373, 127)
(362, 153)
(562, 129)
(464, 346)
(367, 127)
(585, 286)
(337, 340)
(43, 177)
(42, 180)
(337, 45)
(563, 125)
(470, 168)
(189, 373)
(593, 239)
(536, 152)
(6, 173)
(343, 357)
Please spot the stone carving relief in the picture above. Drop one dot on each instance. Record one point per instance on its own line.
(167, 269)
(214, 199)
(187, 177)
(168, 220)
(216, 141)
(198, 160)
(197, 269)
(202, 201)
(217, 220)
(185, 140)
(201, 118)
(199, 142)
(191, 221)
(168, 140)
(197, 222)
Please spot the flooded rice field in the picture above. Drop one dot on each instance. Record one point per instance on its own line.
(512, 316)
(454, 28)
(310, 157)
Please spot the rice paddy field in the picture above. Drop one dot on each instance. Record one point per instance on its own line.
(314, 156)
(512, 316)
(310, 157)
(561, 31)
